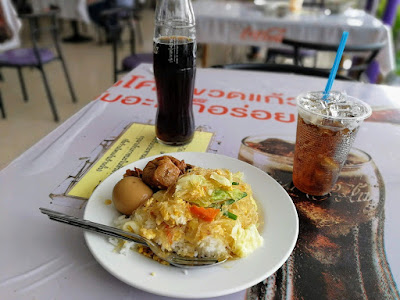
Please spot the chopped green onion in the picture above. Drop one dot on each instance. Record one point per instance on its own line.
(229, 202)
(220, 204)
(230, 215)
(235, 183)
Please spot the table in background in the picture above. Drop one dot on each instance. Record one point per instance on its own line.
(73, 10)
(239, 23)
(44, 259)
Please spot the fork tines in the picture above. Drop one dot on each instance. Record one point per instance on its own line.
(194, 260)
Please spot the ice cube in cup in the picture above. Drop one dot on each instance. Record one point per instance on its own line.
(326, 130)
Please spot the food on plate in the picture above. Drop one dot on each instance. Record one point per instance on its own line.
(129, 193)
(162, 172)
(202, 212)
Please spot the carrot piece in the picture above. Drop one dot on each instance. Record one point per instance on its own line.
(168, 232)
(206, 214)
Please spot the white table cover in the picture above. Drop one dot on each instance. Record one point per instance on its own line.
(41, 259)
(70, 10)
(239, 23)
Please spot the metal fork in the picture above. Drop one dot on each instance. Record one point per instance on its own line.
(172, 258)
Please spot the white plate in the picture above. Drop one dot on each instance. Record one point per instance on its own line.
(279, 231)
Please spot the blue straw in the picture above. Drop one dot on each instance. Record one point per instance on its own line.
(335, 67)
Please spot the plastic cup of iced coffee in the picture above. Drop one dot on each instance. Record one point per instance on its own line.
(326, 129)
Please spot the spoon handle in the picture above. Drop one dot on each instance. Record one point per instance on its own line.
(92, 226)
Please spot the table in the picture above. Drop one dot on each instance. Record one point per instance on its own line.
(45, 260)
(73, 10)
(238, 23)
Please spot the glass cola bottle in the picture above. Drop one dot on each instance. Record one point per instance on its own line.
(174, 49)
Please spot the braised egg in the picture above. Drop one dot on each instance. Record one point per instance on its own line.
(129, 193)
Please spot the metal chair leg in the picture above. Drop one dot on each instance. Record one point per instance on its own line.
(71, 88)
(23, 86)
(49, 94)
(140, 34)
(315, 56)
(138, 29)
(115, 59)
(270, 58)
(296, 58)
(2, 109)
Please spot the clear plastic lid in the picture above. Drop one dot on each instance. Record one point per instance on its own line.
(337, 109)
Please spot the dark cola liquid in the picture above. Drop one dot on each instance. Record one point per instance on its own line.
(340, 251)
(174, 71)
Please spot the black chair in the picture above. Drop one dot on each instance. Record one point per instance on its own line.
(22, 6)
(137, 20)
(274, 53)
(370, 51)
(136, 17)
(37, 56)
(314, 3)
(117, 21)
(282, 68)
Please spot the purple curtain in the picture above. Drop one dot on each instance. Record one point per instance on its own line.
(390, 12)
(388, 18)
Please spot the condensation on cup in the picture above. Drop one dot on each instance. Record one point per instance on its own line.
(340, 250)
(326, 130)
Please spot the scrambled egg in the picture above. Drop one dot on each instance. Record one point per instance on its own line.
(245, 240)
(207, 213)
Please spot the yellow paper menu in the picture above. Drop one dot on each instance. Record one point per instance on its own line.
(137, 142)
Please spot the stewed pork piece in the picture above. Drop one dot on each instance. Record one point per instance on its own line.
(163, 171)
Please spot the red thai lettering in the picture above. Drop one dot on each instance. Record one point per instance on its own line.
(131, 81)
(261, 114)
(239, 112)
(106, 95)
(145, 83)
(217, 110)
(201, 106)
(240, 95)
(148, 102)
(256, 97)
(118, 83)
(281, 117)
(197, 92)
(291, 101)
(131, 100)
(216, 93)
(274, 96)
